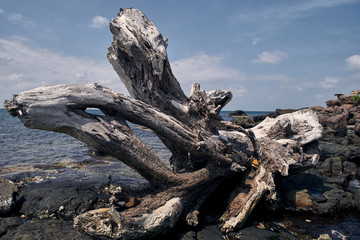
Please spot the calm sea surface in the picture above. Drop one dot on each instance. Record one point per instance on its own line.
(20, 146)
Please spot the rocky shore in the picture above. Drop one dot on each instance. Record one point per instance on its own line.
(337, 173)
(41, 202)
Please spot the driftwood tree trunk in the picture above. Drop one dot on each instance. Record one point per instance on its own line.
(202, 156)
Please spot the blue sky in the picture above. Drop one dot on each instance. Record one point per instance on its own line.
(270, 54)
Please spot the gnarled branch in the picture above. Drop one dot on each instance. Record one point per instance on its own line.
(202, 156)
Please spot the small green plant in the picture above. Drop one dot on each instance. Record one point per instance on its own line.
(356, 99)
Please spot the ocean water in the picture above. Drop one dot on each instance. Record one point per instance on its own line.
(22, 147)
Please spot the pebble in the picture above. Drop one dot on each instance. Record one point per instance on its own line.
(260, 226)
(324, 237)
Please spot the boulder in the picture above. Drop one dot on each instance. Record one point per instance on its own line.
(255, 234)
(334, 124)
(340, 180)
(296, 191)
(325, 167)
(189, 235)
(237, 113)
(244, 122)
(45, 229)
(336, 167)
(63, 199)
(259, 118)
(332, 201)
(210, 232)
(350, 167)
(324, 237)
(331, 167)
(279, 111)
(340, 147)
(332, 103)
(308, 192)
(7, 196)
(354, 93)
(303, 200)
(339, 114)
(317, 108)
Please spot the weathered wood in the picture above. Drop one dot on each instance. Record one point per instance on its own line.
(285, 142)
(138, 55)
(202, 156)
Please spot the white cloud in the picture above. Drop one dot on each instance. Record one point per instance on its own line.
(291, 11)
(99, 22)
(237, 90)
(14, 77)
(29, 67)
(204, 68)
(329, 82)
(355, 76)
(238, 39)
(300, 85)
(207, 70)
(319, 96)
(268, 77)
(303, 8)
(1, 11)
(353, 62)
(255, 41)
(213, 74)
(273, 57)
(16, 18)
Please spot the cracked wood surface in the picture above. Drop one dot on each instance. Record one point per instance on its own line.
(202, 156)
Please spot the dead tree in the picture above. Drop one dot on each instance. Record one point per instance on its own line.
(202, 156)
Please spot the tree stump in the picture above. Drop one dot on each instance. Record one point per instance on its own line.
(202, 156)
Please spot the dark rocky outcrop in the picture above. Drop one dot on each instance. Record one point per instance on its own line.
(6, 224)
(209, 233)
(340, 115)
(45, 229)
(332, 201)
(326, 199)
(342, 147)
(241, 119)
(254, 233)
(189, 235)
(63, 199)
(244, 122)
(331, 167)
(280, 111)
(327, 189)
(7, 196)
(237, 113)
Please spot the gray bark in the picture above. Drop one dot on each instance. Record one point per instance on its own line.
(202, 155)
